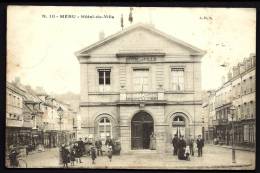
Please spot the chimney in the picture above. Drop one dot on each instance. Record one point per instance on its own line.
(252, 59)
(17, 81)
(241, 67)
(223, 80)
(101, 35)
(229, 76)
(235, 71)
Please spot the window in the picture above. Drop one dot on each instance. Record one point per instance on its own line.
(246, 133)
(238, 112)
(251, 84)
(244, 86)
(104, 128)
(141, 79)
(242, 111)
(18, 101)
(104, 79)
(177, 76)
(104, 76)
(14, 98)
(252, 109)
(245, 111)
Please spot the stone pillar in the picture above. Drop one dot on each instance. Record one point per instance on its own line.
(124, 126)
(160, 138)
(125, 139)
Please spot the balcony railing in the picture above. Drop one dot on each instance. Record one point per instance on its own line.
(141, 96)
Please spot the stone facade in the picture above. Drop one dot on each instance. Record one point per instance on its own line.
(140, 66)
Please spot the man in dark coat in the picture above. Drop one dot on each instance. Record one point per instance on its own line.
(175, 144)
(13, 157)
(81, 146)
(191, 144)
(65, 156)
(181, 148)
(200, 145)
(98, 145)
(93, 154)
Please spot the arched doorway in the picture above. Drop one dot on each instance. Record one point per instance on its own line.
(141, 129)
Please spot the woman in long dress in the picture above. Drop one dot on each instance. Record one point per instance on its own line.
(152, 141)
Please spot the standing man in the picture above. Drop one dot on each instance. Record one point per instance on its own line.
(175, 144)
(81, 147)
(98, 144)
(200, 145)
(191, 144)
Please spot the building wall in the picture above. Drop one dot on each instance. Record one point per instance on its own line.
(114, 104)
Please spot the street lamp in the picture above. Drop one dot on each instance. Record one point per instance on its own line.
(60, 116)
(232, 112)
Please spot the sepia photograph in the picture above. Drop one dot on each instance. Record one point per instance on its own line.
(103, 87)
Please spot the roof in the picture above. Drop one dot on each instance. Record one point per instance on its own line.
(132, 28)
(14, 88)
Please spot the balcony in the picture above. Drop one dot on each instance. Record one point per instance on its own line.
(220, 122)
(14, 123)
(142, 96)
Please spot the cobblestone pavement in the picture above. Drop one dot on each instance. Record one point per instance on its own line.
(213, 158)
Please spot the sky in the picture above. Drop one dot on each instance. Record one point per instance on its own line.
(41, 49)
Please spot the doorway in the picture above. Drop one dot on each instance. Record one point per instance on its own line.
(142, 126)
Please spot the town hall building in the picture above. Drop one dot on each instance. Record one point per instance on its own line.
(137, 82)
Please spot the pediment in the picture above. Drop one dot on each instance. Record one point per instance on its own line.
(143, 39)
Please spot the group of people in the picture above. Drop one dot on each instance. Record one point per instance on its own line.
(72, 153)
(184, 149)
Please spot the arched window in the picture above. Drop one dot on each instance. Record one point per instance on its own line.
(105, 128)
(178, 126)
(178, 118)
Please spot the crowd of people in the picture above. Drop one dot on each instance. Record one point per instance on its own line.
(184, 149)
(73, 152)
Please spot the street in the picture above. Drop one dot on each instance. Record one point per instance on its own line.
(214, 157)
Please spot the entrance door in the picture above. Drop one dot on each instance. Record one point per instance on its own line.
(142, 127)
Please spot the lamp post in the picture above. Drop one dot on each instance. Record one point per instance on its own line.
(232, 112)
(60, 116)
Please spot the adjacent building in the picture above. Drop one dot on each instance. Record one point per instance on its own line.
(239, 91)
(137, 82)
(208, 115)
(32, 119)
(18, 126)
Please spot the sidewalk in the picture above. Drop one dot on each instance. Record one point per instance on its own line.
(236, 147)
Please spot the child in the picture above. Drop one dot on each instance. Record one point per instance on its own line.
(109, 153)
(93, 154)
(187, 152)
(72, 156)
